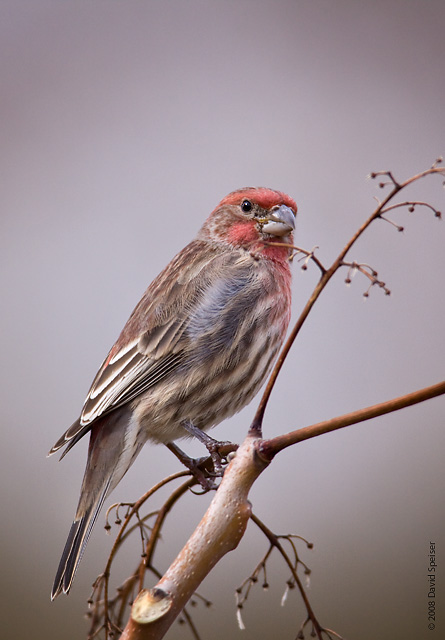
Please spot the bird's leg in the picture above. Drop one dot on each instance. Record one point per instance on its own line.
(213, 446)
(195, 466)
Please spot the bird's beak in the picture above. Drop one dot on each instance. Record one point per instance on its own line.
(279, 222)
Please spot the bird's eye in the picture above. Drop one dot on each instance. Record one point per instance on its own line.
(246, 206)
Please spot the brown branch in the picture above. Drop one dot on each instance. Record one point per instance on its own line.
(326, 277)
(269, 448)
(219, 532)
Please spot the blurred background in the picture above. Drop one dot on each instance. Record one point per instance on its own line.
(123, 124)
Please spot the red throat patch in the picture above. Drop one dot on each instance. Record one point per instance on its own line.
(244, 233)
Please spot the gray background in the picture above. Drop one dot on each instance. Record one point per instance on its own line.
(122, 126)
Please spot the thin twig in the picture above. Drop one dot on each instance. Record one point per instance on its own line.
(310, 255)
(411, 204)
(275, 542)
(156, 530)
(326, 276)
(191, 624)
(103, 581)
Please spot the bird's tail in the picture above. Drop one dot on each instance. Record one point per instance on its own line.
(114, 444)
(75, 546)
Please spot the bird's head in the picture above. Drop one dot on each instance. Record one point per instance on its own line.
(253, 218)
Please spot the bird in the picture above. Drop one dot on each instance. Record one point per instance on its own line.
(196, 349)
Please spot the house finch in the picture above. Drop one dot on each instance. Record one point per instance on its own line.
(195, 350)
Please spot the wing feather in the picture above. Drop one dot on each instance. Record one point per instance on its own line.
(163, 331)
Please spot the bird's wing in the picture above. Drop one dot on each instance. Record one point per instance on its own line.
(184, 302)
(128, 373)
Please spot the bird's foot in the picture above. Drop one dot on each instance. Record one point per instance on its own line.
(218, 449)
(196, 466)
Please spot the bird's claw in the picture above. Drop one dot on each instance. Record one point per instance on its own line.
(196, 466)
(213, 447)
(219, 460)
